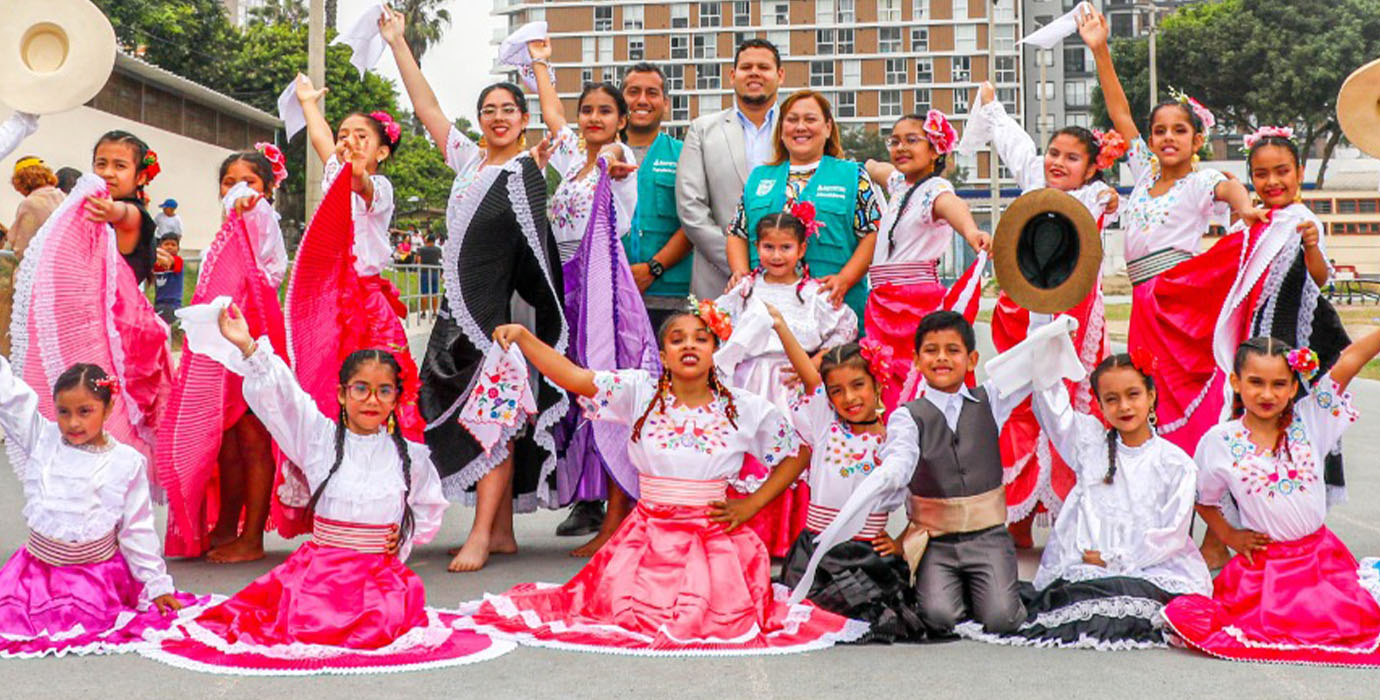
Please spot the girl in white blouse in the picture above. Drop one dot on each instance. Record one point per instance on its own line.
(90, 578)
(1121, 546)
(1292, 593)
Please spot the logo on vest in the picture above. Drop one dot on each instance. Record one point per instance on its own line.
(765, 187)
(832, 191)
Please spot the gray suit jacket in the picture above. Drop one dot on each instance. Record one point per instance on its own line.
(709, 184)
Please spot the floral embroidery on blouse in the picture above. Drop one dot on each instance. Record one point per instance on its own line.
(842, 452)
(701, 430)
(1265, 470)
(783, 443)
(867, 211)
(1330, 401)
(607, 385)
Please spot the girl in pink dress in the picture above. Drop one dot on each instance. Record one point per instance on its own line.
(345, 601)
(215, 458)
(681, 575)
(1293, 593)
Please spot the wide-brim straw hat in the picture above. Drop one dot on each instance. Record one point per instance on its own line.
(55, 55)
(1047, 251)
(1358, 108)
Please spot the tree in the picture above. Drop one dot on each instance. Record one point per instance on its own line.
(280, 12)
(426, 22)
(860, 144)
(1258, 63)
(421, 180)
(332, 8)
(188, 37)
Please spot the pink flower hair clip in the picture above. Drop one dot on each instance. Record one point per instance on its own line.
(939, 131)
(879, 356)
(110, 383)
(805, 211)
(1250, 140)
(390, 127)
(275, 158)
(1111, 146)
(1204, 114)
(1304, 361)
(715, 318)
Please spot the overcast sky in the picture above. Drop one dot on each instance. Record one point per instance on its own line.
(458, 66)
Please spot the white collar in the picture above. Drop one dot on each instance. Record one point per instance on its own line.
(948, 397)
(767, 123)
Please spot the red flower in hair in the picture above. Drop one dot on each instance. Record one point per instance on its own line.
(805, 211)
(390, 127)
(879, 356)
(714, 317)
(939, 131)
(1111, 147)
(1144, 361)
(1304, 361)
(276, 159)
(110, 383)
(151, 166)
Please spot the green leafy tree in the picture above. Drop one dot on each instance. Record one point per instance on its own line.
(860, 143)
(421, 182)
(280, 12)
(427, 21)
(188, 37)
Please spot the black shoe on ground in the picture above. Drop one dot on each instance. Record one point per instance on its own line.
(585, 519)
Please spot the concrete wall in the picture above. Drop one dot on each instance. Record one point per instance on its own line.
(189, 166)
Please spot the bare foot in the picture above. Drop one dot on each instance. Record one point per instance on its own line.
(236, 552)
(502, 544)
(473, 555)
(219, 538)
(589, 548)
(1020, 532)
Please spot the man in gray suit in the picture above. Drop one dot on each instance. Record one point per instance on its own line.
(720, 150)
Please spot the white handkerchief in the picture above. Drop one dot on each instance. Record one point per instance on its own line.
(977, 130)
(1045, 357)
(513, 51)
(364, 38)
(501, 398)
(201, 325)
(290, 110)
(1066, 25)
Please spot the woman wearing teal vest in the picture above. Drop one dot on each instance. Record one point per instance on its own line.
(809, 166)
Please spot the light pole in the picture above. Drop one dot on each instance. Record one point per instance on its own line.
(316, 70)
(1154, 77)
(992, 169)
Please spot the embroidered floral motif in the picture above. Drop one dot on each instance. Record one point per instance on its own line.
(1265, 471)
(688, 429)
(851, 454)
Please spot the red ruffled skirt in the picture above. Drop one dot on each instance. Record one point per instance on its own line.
(672, 582)
(892, 314)
(1298, 602)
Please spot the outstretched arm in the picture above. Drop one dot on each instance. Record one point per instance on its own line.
(950, 208)
(800, 359)
(879, 171)
(424, 103)
(553, 365)
(1092, 26)
(552, 111)
(318, 129)
(1353, 358)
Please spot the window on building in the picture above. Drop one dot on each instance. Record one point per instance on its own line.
(1006, 69)
(824, 12)
(845, 41)
(895, 71)
(706, 45)
(680, 15)
(920, 10)
(1045, 124)
(781, 40)
(587, 48)
(960, 9)
(711, 103)
(586, 76)
(710, 14)
(1004, 12)
(680, 108)
(632, 17)
(846, 104)
(636, 48)
(740, 37)
(1007, 96)
(1044, 57)
(603, 19)
(611, 75)
(1320, 206)
(889, 103)
(675, 76)
(965, 37)
(888, 10)
(920, 39)
(1075, 93)
(961, 100)
(962, 69)
(776, 14)
(824, 42)
(847, 13)
(924, 70)
(922, 101)
(680, 46)
(852, 73)
(1123, 25)
(1082, 119)
(889, 40)
(706, 76)
(1075, 59)
(821, 73)
(1047, 88)
(1006, 37)
(605, 49)
(742, 14)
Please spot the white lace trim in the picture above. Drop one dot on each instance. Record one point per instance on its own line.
(431, 635)
(1170, 427)
(101, 646)
(1177, 585)
(974, 631)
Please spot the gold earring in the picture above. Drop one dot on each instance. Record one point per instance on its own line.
(522, 141)
(483, 142)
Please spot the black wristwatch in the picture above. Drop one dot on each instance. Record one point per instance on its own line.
(655, 268)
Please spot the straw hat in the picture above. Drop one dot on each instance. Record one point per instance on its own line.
(1047, 251)
(1358, 108)
(54, 55)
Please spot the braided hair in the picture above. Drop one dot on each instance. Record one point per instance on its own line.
(1265, 346)
(782, 221)
(85, 376)
(940, 162)
(347, 370)
(663, 384)
(1117, 361)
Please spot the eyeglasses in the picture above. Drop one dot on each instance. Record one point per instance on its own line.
(910, 140)
(505, 110)
(361, 391)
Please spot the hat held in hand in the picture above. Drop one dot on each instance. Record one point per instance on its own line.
(1358, 108)
(1047, 251)
(55, 55)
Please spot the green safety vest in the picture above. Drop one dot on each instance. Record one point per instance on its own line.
(655, 220)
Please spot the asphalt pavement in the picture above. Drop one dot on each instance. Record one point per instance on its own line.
(957, 669)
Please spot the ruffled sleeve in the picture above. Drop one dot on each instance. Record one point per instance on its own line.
(1067, 428)
(1140, 161)
(1015, 148)
(461, 152)
(1212, 459)
(286, 410)
(264, 230)
(426, 499)
(620, 395)
(625, 194)
(1172, 515)
(565, 150)
(139, 539)
(1204, 194)
(837, 325)
(812, 416)
(19, 415)
(773, 436)
(1326, 413)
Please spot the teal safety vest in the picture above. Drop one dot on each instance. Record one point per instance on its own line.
(834, 191)
(655, 220)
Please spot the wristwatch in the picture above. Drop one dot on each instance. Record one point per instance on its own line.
(655, 268)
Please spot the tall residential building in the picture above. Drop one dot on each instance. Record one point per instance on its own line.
(875, 59)
(1059, 80)
(238, 10)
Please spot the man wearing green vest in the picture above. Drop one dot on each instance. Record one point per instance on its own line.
(658, 250)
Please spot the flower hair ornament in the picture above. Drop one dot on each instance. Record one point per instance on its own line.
(939, 131)
(713, 315)
(1144, 361)
(879, 356)
(1281, 132)
(275, 158)
(805, 211)
(390, 127)
(1111, 146)
(1204, 114)
(151, 167)
(1304, 361)
(110, 383)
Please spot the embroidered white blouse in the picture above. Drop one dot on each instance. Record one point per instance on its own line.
(920, 235)
(368, 487)
(691, 443)
(1176, 219)
(372, 247)
(1282, 496)
(262, 221)
(840, 458)
(573, 200)
(1139, 523)
(76, 494)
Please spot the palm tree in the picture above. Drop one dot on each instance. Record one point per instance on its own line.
(330, 13)
(426, 22)
(279, 12)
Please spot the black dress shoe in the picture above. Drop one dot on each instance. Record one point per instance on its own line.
(586, 517)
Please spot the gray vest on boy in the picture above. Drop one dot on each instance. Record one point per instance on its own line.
(955, 464)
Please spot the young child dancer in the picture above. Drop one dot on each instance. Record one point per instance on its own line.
(1177, 292)
(214, 456)
(681, 576)
(916, 232)
(1121, 547)
(754, 359)
(319, 295)
(1292, 592)
(345, 601)
(91, 578)
(945, 448)
(840, 420)
(1039, 478)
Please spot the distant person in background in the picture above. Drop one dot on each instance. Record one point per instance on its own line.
(35, 182)
(167, 278)
(66, 178)
(167, 220)
(429, 257)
